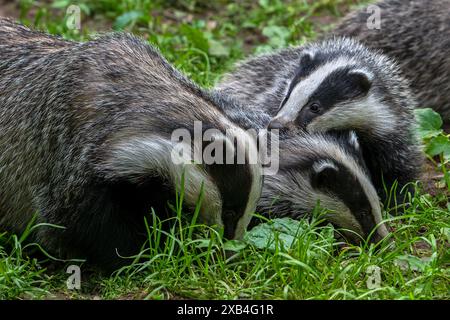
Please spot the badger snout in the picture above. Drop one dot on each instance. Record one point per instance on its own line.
(230, 220)
(380, 234)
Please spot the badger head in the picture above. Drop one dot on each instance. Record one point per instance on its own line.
(230, 190)
(340, 84)
(316, 169)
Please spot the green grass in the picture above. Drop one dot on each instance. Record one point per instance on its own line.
(280, 259)
(201, 38)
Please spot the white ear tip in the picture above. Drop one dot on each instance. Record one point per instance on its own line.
(309, 54)
(369, 75)
(320, 166)
(353, 139)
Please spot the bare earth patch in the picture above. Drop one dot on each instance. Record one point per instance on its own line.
(9, 9)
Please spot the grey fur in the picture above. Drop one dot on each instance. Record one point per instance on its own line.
(85, 131)
(387, 134)
(417, 34)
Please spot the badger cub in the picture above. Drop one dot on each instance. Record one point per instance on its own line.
(86, 143)
(339, 85)
(325, 170)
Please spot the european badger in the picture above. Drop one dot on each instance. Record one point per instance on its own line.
(316, 168)
(338, 85)
(417, 34)
(324, 169)
(86, 144)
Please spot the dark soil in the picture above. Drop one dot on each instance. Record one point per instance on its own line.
(9, 9)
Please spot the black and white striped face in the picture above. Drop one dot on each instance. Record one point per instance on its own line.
(239, 186)
(326, 93)
(326, 170)
(356, 206)
(230, 191)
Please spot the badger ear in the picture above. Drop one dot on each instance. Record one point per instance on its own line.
(353, 140)
(324, 173)
(137, 157)
(306, 58)
(362, 79)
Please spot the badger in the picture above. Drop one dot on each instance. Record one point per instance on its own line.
(417, 34)
(335, 86)
(86, 144)
(324, 170)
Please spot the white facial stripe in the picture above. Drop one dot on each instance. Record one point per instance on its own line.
(370, 192)
(376, 117)
(319, 166)
(344, 218)
(372, 195)
(253, 199)
(368, 75)
(304, 89)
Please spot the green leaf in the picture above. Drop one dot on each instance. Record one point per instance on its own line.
(264, 3)
(195, 37)
(284, 230)
(414, 263)
(61, 4)
(216, 48)
(203, 243)
(277, 35)
(234, 245)
(439, 145)
(126, 19)
(429, 122)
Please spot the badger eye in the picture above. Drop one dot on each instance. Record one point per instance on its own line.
(314, 107)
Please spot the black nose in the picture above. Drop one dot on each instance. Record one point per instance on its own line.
(275, 124)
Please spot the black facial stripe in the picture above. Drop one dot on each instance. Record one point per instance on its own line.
(348, 189)
(337, 87)
(234, 201)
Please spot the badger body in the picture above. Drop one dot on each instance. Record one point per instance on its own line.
(86, 144)
(335, 86)
(417, 34)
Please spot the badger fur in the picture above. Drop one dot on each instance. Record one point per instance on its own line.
(325, 170)
(417, 34)
(338, 85)
(86, 144)
(328, 169)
